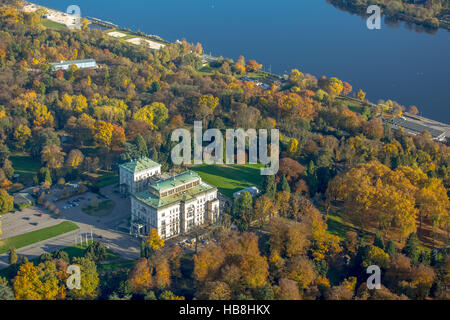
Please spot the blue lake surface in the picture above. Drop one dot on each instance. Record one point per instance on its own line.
(395, 62)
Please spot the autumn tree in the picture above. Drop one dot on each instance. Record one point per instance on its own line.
(53, 157)
(361, 95)
(347, 88)
(27, 285)
(6, 201)
(74, 159)
(140, 276)
(253, 66)
(413, 110)
(104, 133)
(375, 195)
(22, 134)
(301, 270)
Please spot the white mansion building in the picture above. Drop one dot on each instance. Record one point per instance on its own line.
(171, 204)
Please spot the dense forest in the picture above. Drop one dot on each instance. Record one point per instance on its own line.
(338, 163)
(429, 13)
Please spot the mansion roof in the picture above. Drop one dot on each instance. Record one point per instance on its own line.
(159, 202)
(139, 165)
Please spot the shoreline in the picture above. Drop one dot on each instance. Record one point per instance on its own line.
(119, 29)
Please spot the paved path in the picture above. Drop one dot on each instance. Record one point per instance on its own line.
(122, 243)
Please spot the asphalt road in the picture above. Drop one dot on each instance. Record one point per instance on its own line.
(102, 228)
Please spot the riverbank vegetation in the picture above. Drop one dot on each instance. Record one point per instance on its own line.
(351, 191)
(431, 14)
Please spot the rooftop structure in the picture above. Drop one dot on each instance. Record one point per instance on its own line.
(416, 125)
(139, 165)
(160, 202)
(80, 64)
(252, 190)
(136, 175)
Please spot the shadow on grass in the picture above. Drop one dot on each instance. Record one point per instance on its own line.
(229, 179)
(337, 227)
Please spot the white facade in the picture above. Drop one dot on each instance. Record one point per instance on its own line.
(137, 181)
(178, 217)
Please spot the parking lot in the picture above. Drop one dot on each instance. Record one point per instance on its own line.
(104, 229)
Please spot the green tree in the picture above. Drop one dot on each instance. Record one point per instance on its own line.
(243, 210)
(411, 248)
(266, 293)
(89, 280)
(269, 186)
(6, 292)
(12, 256)
(285, 185)
(311, 178)
(378, 241)
(61, 255)
(390, 248)
(141, 145)
(96, 251)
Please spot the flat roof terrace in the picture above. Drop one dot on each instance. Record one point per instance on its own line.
(160, 202)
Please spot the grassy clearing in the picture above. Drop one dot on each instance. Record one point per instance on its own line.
(230, 178)
(115, 265)
(355, 106)
(338, 227)
(54, 25)
(107, 180)
(104, 208)
(24, 165)
(30, 238)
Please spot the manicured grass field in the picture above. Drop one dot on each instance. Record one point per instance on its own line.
(230, 178)
(24, 165)
(53, 25)
(29, 238)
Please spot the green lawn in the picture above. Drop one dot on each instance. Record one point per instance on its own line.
(355, 106)
(107, 180)
(339, 227)
(104, 208)
(53, 25)
(24, 165)
(115, 265)
(230, 178)
(29, 238)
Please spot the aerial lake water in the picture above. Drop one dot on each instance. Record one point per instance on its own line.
(397, 62)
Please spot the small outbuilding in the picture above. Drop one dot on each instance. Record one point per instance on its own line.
(252, 190)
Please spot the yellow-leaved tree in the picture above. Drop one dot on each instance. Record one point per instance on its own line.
(154, 240)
